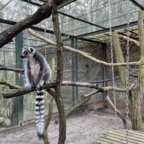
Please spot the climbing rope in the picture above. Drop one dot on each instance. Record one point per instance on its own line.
(127, 62)
(127, 68)
(112, 56)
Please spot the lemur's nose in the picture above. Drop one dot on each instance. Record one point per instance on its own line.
(22, 56)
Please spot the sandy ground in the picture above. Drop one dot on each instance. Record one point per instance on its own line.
(82, 128)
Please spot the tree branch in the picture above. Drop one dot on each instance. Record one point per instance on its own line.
(130, 39)
(52, 93)
(121, 115)
(5, 5)
(141, 62)
(11, 86)
(100, 88)
(87, 98)
(44, 0)
(22, 91)
(3, 67)
(91, 93)
(76, 106)
(43, 12)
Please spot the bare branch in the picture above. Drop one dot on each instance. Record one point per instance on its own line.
(141, 62)
(100, 88)
(5, 5)
(22, 91)
(76, 106)
(11, 86)
(121, 115)
(52, 93)
(44, 1)
(91, 93)
(43, 12)
(80, 84)
(3, 67)
(130, 39)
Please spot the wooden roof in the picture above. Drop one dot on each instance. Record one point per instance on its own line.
(119, 137)
(105, 37)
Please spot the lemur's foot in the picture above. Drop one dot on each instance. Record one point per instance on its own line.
(28, 87)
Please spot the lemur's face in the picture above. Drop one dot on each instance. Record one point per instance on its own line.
(27, 52)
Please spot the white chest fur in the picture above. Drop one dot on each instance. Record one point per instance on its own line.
(35, 70)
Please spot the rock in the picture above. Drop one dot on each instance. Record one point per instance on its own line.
(4, 122)
(1, 120)
(7, 121)
(4, 112)
(92, 112)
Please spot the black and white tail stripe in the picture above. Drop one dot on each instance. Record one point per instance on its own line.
(39, 113)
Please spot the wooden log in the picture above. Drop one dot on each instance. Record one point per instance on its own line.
(119, 57)
(136, 96)
(119, 114)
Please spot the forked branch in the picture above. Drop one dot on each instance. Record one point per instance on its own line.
(22, 91)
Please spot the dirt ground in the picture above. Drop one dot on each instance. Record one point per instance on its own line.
(82, 128)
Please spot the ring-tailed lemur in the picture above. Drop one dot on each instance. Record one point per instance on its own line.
(37, 72)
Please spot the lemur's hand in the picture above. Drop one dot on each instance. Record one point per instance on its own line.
(28, 87)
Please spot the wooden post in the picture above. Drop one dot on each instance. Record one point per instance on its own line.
(134, 100)
(58, 93)
(119, 57)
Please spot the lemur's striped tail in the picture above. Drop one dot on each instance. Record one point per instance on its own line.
(39, 113)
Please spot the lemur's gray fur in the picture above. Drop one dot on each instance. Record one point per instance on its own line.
(37, 72)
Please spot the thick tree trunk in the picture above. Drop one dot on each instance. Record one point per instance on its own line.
(134, 100)
(136, 117)
(43, 12)
(134, 96)
(58, 94)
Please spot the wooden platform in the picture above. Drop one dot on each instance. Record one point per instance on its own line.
(119, 137)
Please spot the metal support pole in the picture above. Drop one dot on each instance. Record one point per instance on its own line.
(74, 71)
(19, 77)
(104, 69)
(5, 72)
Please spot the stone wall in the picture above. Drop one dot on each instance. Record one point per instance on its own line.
(89, 71)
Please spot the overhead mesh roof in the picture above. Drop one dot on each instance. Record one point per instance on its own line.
(93, 11)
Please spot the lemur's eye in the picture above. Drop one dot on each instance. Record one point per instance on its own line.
(25, 52)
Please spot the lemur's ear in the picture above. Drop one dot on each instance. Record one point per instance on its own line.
(31, 49)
